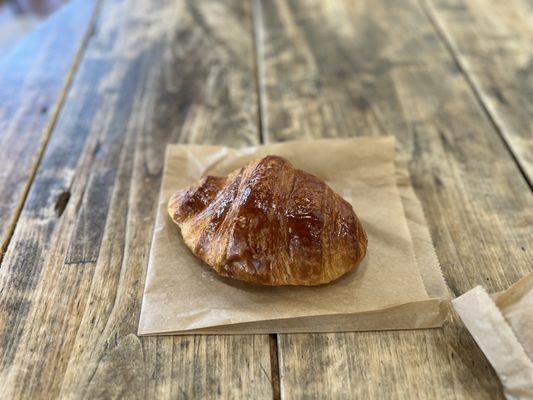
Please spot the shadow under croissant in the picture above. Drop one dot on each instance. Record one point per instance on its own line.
(346, 279)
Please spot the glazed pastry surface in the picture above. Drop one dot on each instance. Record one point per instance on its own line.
(269, 223)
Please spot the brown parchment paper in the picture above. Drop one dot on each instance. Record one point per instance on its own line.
(502, 326)
(397, 286)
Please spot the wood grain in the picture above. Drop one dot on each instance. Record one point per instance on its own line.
(72, 278)
(330, 69)
(491, 41)
(33, 81)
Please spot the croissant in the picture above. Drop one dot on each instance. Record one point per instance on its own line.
(270, 223)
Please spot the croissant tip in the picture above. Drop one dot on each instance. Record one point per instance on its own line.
(173, 204)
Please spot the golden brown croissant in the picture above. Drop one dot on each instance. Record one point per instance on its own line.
(271, 224)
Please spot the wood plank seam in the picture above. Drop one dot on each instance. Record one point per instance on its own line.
(274, 366)
(48, 129)
(448, 43)
(257, 41)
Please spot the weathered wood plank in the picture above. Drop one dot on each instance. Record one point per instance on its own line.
(72, 278)
(492, 42)
(33, 81)
(346, 68)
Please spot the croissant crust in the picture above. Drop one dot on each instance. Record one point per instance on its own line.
(270, 223)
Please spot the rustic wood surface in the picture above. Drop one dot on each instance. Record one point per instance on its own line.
(378, 67)
(492, 42)
(73, 275)
(34, 78)
(241, 73)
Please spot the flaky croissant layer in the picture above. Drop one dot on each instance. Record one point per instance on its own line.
(270, 223)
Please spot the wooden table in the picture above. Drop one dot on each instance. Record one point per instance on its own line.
(90, 100)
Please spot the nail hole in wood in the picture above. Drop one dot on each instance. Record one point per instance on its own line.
(96, 149)
(61, 203)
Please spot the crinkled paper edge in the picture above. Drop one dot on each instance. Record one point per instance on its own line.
(498, 342)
